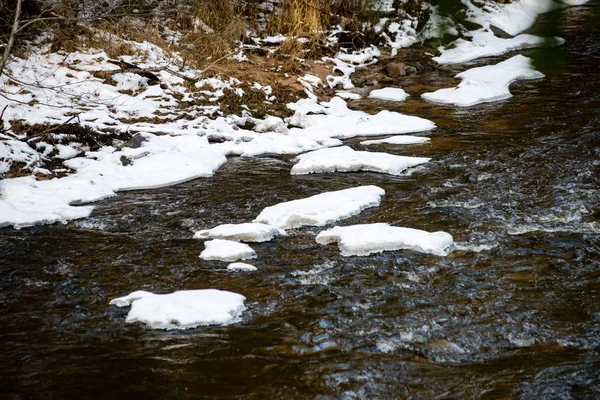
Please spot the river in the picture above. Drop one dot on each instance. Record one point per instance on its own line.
(514, 312)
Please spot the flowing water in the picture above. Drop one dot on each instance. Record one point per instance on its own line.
(514, 311)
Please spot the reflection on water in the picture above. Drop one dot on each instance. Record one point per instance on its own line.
(516, 181)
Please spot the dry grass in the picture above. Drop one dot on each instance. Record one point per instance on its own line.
(300, 17)
(211, 33)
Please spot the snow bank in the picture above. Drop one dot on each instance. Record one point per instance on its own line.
(486, 84)
(389, 94)
(247, 232)
(241, 267)
(362, 240)
(321, 209)
(183, 309)
(345, 159)
(404, 139)
(485, 44)
(226, 250)
(159, 161)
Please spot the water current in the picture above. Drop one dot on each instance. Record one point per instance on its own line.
(513, 312)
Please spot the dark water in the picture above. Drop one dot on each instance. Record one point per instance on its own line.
(518, 319)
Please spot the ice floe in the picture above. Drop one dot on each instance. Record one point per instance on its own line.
(400, 139)
(389, 94)
(226, 250)
(241, 267)
(246, 232)
(321, 209)
(345, 159)
(362, 240)
(486, 84)
(333, 119)
(183, 309)
(484, 43)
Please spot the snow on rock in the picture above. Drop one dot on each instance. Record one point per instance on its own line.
(241, 267)
(183, 309)
(345, 159)
(485, 44)
(486, 84)
(321, 209)
(348, 95)
(362, 240)
(335, 120)
(389, 94)
(401, 139)
(226, 250)
(247, 232)
(346, 65)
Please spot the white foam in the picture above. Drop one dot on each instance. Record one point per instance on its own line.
(246, 232)
(362, 240)
(389, 94)
(183, 309)
(226, 250)
(486, 84)
(400, 139)
(345, 159)
(321, 209)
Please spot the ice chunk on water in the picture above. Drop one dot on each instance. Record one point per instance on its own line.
(388, 93)
(247, 232)
(321, 209)
(362, 240)
(345, 159)
(400, 139)
(226, 250)
(485, 84)
(183, 309)
(238, 266)
(485, 44)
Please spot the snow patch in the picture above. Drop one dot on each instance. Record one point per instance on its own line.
(485, 44)
(241, 267)
(345, 159)
(226, 250)
(321, 209)
(246, 232)
(404, 139)
(486, 84)
(362, 240)
(389, 94)
(183, 309)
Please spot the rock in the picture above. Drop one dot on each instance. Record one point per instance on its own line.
(135, 142)
(396, 69)
(419, 66)
(400, 69)
(500, 33)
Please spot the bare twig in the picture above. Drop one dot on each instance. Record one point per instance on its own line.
(11, 39)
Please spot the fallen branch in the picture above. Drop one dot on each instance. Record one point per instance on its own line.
(146, 72)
